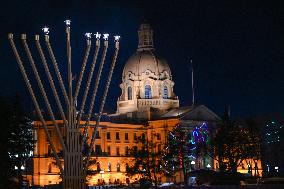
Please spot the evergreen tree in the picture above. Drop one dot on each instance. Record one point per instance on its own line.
(17, 138)
(184, 146)
(177, 156)
(235, 143)
(6, 169)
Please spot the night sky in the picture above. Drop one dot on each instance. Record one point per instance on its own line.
(236, 46)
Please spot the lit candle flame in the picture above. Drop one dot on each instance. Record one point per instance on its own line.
(67, 22)
(105, 36)
(116, 38)
(45, 29)
(88, 35)
(98, 36)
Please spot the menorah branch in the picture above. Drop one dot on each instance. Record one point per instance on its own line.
(57, 72)
(93, 98)
(42, 90)
(50, 79)
(102, 102)
(77, 89)
(27, 82)
(88, 82)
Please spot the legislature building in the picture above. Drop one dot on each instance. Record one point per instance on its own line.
(147, 105)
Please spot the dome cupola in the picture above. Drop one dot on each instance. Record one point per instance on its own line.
(145, 35)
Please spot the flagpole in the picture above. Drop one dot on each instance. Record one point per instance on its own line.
(192, 82)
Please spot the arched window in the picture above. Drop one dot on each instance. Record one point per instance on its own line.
(108, 166)
(129, 93)
(98, 167)
(165, 92)
(118, 167)
(148, 92)
(49, 168)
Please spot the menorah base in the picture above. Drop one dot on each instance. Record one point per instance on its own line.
(74, 177)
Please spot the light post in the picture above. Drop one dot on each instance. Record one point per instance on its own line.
(208, 166)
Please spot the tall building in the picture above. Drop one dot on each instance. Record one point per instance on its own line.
(147, 105)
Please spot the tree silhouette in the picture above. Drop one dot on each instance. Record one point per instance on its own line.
(147, 160)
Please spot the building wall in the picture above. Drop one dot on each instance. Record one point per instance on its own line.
(45, 169)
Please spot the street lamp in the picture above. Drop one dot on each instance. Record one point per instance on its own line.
(208, 166)
(102, 172)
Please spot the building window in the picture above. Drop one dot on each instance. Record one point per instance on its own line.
(49, 151)
(117, 151)
(158, 136)
(97, 135)
(143, 137)
(49, 168)
(165, 93)
(118, 167)
(159, 147)
(117, 136)
(135, 149)
(98, 167)
(108, 150)
(108, 135)
(129, 93)
(98, 150)
(148, 92)
(108, 166)
(126, 136)
(127, 169)
(135, 136)
(126, 150)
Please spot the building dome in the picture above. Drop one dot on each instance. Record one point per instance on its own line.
(147, 86)
(145, 62)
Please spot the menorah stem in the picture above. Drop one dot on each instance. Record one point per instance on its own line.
(85, 132)
(70, 79)
(88, 82)
(102, 103)
(57, 72)
(42, 90)
(27, 82)
(51, 82)
(89, 42)
(73, 176)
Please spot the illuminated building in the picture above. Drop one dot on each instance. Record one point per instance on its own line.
(147, 105)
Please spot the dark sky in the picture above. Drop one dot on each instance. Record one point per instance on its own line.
(236, 46)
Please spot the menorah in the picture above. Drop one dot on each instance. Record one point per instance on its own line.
(75, 165)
